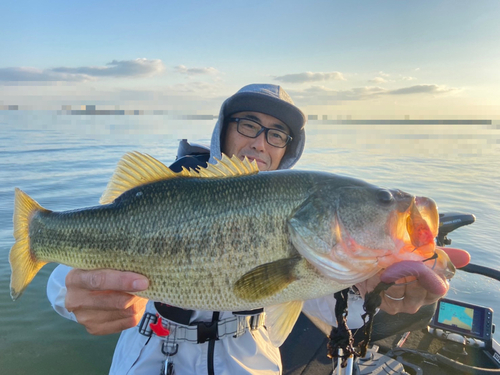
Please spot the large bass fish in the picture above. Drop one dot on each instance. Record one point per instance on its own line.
(229, 238)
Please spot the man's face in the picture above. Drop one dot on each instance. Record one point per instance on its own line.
(267, 157)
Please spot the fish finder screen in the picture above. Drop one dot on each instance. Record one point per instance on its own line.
(462, 318)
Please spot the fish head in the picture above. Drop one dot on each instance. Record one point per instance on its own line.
(351, 233)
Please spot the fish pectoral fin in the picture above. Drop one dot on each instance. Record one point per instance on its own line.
(136, 169)
(280, 320)
(313, 226)
(267, 279)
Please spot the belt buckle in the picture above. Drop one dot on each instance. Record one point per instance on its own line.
(256, 321)
(207, 331)
(144, 326)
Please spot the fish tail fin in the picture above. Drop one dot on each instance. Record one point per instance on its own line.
(23, 262)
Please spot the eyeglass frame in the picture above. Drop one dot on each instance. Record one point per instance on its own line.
(263, 129)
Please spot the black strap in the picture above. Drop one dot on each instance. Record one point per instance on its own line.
(249, 312)
(174, 314)
(341, 336)
(211, 345)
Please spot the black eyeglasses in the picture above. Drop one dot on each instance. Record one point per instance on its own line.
(252, 129)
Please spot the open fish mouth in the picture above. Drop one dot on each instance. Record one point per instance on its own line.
(416, 254)
(413, 229)
(422, 226)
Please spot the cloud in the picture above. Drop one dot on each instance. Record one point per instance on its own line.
(182, 69)
(125, 68)
(408, 78)
(320, 95)
(28, 74)
(421, 89)
(378, 80)
(128, 68)
(310, 77)
(383, 74)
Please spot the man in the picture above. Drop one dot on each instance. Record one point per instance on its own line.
(259, 122)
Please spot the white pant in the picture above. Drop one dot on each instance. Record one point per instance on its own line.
(251, 353)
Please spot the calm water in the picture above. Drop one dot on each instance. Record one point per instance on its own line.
(64, 162)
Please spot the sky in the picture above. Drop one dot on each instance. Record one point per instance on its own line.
(342, 59)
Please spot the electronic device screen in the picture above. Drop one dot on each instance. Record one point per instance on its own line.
(466, 319)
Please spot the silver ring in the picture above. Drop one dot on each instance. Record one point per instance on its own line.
(393, 298)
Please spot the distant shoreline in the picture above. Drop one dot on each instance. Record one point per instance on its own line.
(322, 118)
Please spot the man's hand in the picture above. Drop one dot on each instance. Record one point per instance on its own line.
(409, 295)
(413, 295)
(101, 299)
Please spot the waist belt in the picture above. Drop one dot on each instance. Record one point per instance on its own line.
(200, 332)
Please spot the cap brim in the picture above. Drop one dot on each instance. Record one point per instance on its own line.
(257, 102)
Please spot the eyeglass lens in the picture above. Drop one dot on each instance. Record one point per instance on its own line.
(253, 129)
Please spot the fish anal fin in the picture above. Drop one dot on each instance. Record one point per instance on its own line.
(23, 262)
(267, 279)
(280, 320)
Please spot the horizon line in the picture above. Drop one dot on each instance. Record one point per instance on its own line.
(92, 111)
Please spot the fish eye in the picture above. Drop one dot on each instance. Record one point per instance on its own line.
(385, 196)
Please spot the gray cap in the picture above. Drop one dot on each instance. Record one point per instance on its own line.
(271, 100)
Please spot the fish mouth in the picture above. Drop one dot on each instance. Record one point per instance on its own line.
(417, 229)
(417, 225)
(422, 225)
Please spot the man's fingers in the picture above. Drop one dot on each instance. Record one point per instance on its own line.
(103, 322)
(415, 296)
(106, 280)
(460, 258)
(111, 326)
(105, 301)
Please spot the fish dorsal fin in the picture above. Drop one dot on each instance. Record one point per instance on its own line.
(229, 167)
(136, 169)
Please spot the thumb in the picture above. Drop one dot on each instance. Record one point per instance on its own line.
(460, 258)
